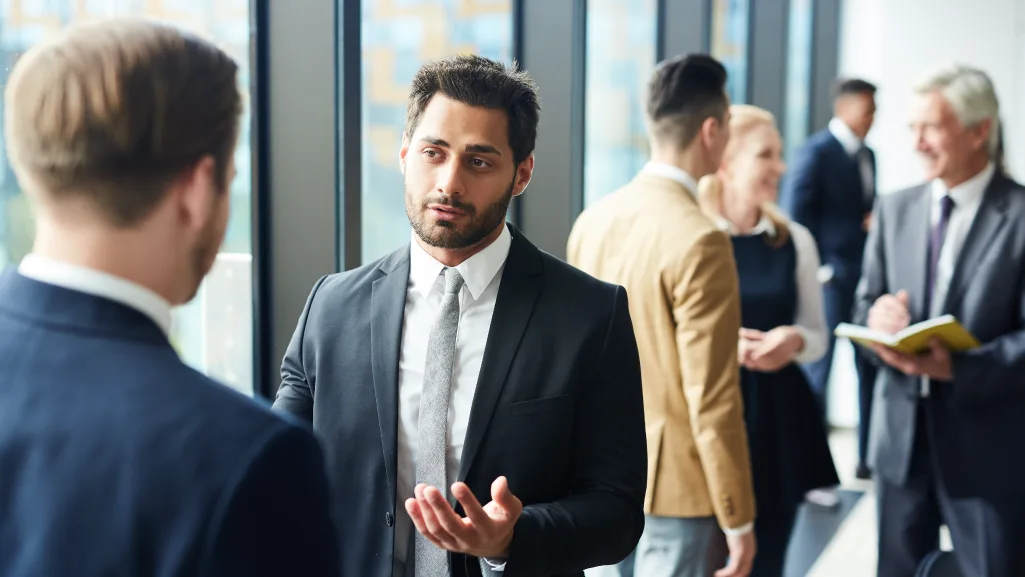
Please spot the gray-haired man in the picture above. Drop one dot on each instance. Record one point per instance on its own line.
(947, 428)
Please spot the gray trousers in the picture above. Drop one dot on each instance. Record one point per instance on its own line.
(672, 547)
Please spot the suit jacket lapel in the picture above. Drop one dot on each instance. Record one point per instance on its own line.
(916, 227)
(517, 295)
(387, 304)
(988, 222)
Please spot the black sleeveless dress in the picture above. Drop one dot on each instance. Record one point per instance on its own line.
(788, 442)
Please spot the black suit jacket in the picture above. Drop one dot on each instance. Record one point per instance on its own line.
(557, 410)
(823, 190)
(978, 420)
(118, 460)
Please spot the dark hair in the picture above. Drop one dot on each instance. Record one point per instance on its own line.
(481, 82)
(999, 156)
(114, 111)
(683, 92)
(852, 86)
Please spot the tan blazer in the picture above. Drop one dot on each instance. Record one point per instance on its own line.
(681, 281)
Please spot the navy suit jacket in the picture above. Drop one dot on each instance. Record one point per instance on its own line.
(117, 460)
(557, 410)
(823, 190)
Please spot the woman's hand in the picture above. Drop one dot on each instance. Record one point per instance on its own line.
(770, 351)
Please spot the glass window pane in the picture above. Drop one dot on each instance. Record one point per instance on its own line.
(214, 332)
(729, 43)
(397, 38)
(620, 58)
(798, 75)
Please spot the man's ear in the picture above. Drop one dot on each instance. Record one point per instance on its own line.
(524, 172)
(709, 131)
(980, 133)
(194, 192)
(403, 151)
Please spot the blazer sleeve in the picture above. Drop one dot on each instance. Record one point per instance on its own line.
(706, 309)
(295, 395)
(276, 519)
(991, 374)
(872, 283)
(601, 521)
(797, 198)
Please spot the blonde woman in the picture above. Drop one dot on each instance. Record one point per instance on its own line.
(783, 324)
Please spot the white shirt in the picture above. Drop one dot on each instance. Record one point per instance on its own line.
(674, 173)
(967, 198)
(810, 317)
(683, 178)
(852, 144)
(100, 284)
(482, 274)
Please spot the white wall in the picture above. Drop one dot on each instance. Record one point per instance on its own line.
(892, 42)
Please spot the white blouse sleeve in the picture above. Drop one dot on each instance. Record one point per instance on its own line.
(810, 318)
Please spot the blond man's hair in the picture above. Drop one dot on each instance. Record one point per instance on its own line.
(112, 112)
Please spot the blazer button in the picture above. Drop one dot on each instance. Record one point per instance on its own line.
(388, 519)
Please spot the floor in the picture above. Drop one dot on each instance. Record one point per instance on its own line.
(839, 542)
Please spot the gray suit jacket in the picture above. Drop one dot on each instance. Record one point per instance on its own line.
(978, 419)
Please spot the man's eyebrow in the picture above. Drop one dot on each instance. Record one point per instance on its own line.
(483, 149)
(478, 148)
(435, 141)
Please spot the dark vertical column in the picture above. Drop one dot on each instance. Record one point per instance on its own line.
(550, 46)
(825, 60)
(767, 56)
(684, 26)
(299, 212)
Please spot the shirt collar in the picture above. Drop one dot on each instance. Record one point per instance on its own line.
(477, 271)
(967, 193)
(764, 226)
(850, 141)
(673, 173)
(100, 284)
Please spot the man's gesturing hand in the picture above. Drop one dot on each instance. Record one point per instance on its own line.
(486, 532)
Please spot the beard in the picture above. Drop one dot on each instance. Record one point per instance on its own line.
(204, 255)
(452, 235)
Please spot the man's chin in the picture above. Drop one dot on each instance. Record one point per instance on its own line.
(930, 169)
(441, 236)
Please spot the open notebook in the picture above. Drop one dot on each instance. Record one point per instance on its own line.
(915, 338)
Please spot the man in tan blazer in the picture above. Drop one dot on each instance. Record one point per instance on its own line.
(678, 269)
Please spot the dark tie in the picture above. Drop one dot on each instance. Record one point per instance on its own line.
(863, 160)
(939, 232)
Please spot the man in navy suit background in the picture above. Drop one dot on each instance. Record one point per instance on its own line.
(830, 190)
(116, 458)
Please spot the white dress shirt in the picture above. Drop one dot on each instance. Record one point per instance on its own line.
(853, 145)
(673, 173)
(482, 274)
(100, 284)
(967, 198)
(810, 317)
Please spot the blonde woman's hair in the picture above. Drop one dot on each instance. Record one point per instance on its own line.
(744, 118)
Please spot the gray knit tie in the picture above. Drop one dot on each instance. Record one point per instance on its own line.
(431, 461)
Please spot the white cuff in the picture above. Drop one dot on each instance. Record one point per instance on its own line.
(802, 357)
(739, 531)
(496, 564)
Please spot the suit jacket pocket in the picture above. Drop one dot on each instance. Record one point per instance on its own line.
(545, 405)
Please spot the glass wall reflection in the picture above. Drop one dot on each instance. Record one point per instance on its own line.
(620, 57)
(399, 36)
